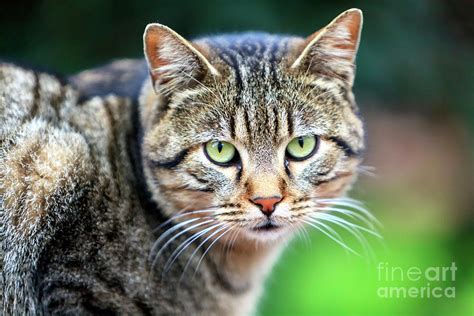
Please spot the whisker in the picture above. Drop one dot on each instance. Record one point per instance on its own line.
(299, 232)
(305, 233)
(345, 222)
(235, 237)
(170, 231)
(352, 203)
(209, 248)
(163, 247)
(198, 247)
(352, 228)
(230, 241)
(344, 199)
(367, 170)
(329, 228)
(330, 236)
(182, 215)
(185, 244)
(349, 213)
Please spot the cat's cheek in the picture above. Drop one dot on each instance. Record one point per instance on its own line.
(198, 173)
(185, 199)
(336, 187)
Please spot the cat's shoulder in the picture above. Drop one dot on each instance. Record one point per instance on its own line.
(41, 157)
(51, 144)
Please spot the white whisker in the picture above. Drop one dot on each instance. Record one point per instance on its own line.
(185, 244)
(209, 248)
(351, 203)
(329, 228)
(334, 233)
(236, 236)
(367, 170)
(170, 231)
(302, 233)
(199, 246)
(230, 241)
(350, 227)
(349, 213)
(306, 234)
(343, 199)
(299, 233)
(163, 247)
(209, 210)
(313, 224)
(344, 222)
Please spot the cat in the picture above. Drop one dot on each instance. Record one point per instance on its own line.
(171, 185)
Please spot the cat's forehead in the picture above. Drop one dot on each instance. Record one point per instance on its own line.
(259, 101)
(251, 48)
(259, 114)
(251, 57)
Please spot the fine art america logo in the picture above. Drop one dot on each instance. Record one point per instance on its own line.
(416, 282)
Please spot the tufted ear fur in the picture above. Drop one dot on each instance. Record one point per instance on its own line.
(332, 50)
(173, 62)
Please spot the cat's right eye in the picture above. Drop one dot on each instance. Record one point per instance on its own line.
(220, 152)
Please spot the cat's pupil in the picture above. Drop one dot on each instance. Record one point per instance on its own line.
(301, 142)
(219, 147)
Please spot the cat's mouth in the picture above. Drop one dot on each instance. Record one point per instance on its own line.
(267, 226)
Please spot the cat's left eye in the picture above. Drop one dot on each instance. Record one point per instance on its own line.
(220, 152)
(302, 147)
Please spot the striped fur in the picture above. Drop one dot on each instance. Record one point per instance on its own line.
(88, 171)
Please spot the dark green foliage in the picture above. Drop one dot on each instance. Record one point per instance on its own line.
(414, 54)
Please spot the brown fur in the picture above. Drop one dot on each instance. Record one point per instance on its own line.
(86, 181)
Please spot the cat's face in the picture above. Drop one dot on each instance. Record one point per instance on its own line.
(251, 132)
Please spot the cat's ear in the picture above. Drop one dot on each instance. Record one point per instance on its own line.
(332, 50)
(173, 61)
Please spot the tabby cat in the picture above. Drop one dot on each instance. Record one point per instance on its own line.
(171, 185)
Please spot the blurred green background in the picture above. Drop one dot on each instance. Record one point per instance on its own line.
(415, 87)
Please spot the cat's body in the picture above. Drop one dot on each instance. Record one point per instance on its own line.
(86, 177)
(77, 224)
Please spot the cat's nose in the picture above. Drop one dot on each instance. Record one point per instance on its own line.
(267, 204)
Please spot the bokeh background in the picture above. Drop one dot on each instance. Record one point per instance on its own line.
(414, 85)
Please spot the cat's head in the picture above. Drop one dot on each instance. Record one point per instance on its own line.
(251, 132)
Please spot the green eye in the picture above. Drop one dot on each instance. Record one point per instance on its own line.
(220, 152)
(301, 147)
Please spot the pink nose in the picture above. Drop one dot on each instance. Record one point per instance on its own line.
(267, 205)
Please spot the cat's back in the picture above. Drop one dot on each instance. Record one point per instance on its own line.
(64, 166)
(123, 78)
